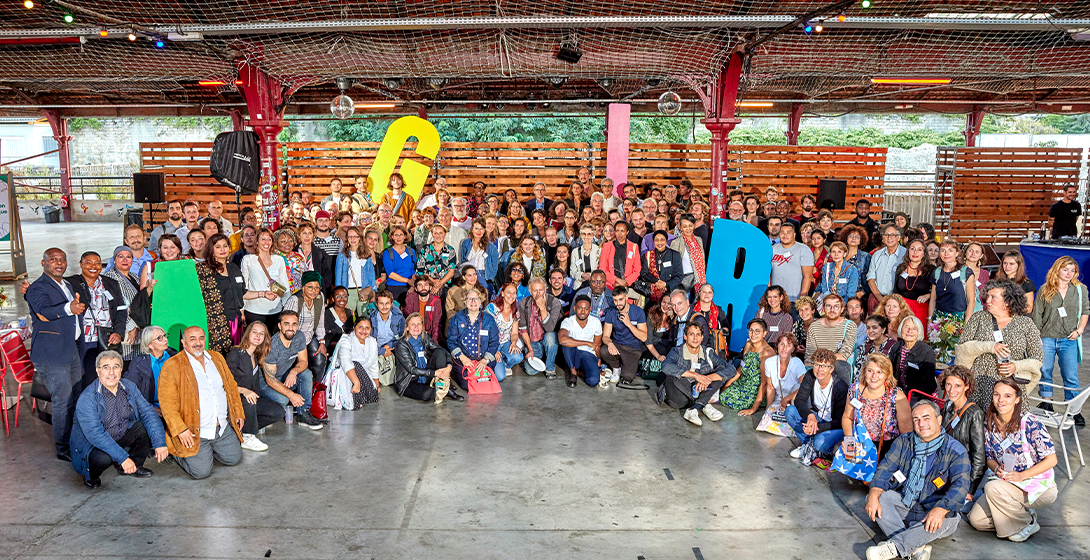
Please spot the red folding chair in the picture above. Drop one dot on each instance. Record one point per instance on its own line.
(17, 363)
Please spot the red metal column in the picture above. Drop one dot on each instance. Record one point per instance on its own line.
(794, 122)
(719, 109)
(972, 125)
(238, 122)
(266, 99)
(59, 125)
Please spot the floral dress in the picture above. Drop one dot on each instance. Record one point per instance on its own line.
(742, 393)
(296, 266)
(878, 415)
(1020, 335)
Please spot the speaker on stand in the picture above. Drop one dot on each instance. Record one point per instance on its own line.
(831, 194)
(150, 189)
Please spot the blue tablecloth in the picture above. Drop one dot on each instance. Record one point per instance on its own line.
(1039, 259)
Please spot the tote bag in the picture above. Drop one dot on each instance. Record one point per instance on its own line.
(865, 452)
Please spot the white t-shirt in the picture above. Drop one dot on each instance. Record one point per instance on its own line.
(583, 334)
(823, 398)
(791, 380)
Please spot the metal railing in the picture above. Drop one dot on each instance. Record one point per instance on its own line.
(83, 188)
(911, 192)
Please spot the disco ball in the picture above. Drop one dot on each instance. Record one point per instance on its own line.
(669, 103)
(343, 107)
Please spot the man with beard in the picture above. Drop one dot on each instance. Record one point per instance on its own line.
(808, 204)
(427, 304)
(134, 239)
(173, 223)
(595, 291)
(287, 369)
(334, 193)
(559, 289)
(191, 213)
(833, 332)
(862, 219)
(624, 332)
(324, 238)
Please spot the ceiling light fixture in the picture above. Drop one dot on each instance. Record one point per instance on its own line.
(669, 103)
(756, 104)
(911, 81)
(392, 83)
(342, 106)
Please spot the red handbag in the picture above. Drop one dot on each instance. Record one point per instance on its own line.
(483, 384)
(318, 401)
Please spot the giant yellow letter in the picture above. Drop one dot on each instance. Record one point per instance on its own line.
(389, 153)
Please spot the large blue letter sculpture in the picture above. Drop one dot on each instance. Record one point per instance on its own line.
(739, 265)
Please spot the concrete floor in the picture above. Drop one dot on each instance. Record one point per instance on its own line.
(541, 471)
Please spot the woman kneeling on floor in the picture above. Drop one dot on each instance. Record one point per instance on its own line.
(423, 367)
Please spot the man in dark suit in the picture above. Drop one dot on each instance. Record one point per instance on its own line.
(57, 345)
(539, 202)
(106, 315)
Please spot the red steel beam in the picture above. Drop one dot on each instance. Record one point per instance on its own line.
(972, 125)
(794, 122)
(719, 111)
(59, 124)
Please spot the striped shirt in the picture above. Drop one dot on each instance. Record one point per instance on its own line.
(839, 338)
(331, 245)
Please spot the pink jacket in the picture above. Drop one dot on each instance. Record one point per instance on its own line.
(631, 264)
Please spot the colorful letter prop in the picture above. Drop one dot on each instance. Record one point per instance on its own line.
(177, 300)
(389, 153)
(739, 264)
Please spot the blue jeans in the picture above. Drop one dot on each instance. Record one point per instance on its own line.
(824, 442)
(504, 361)
(583, 361)
(1067, 351)
(304, 385)
(544, 350)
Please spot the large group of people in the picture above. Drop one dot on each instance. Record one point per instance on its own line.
(452, 295)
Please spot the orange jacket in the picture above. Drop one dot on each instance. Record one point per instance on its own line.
(632, 263)
(180, 403)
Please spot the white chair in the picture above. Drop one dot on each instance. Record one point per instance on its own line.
(1064, 421)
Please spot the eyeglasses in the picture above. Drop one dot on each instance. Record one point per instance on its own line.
(161, 337)
(823, 366)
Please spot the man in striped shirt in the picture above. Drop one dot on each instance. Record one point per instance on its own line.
(325, 239)
(833, 332)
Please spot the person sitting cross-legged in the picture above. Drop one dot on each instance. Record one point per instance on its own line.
(691, 375)
(201, 406)
(114, 425)
(423, 368)
(919, 488)
(580, 336)
(473, 339)
(819, 405)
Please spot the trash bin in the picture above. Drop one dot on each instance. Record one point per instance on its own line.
(52, 214)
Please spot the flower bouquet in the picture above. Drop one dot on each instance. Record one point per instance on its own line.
(943, 335)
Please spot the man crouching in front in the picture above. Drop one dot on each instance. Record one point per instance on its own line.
(201, 407)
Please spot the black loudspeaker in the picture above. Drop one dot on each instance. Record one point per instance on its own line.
(831, 193)
(149, 188)
(236, 161)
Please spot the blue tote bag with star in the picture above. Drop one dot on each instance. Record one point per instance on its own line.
(866, 455)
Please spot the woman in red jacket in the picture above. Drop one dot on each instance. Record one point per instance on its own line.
(617, 254)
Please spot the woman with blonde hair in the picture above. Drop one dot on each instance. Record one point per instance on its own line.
(1061, 314)
(882, 406)
(529, 254)
(895, 308)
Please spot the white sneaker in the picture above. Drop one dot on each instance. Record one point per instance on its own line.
(693, 417)
(603, 380)
(616, 376)
(251, 443)
(796, 453)
(712, 414)
(922, 553)
(884, 550)
(1026, 532)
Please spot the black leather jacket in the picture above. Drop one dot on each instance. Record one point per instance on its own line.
(969, 431)
(405, 362)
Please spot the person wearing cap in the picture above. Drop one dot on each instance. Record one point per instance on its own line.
(106, 315)
(862, 219)
(310, 305)
(324, 238)
(624, 333)
(130, 286)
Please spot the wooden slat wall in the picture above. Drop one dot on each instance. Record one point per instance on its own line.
(795, 171)
(518, 165)
(187, 177)
(1005, 193)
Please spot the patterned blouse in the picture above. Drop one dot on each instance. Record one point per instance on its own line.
(504, 325)
(875, 410)
(799, 330)
(296, 267)
(436, 263)
(1037, 442)
(1020, 335)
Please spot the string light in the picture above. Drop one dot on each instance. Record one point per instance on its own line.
(809, 28)
(819, 28)
(159, 43)
(69, 18)
(103, 33)
(132, 36)
(841, 18)
(865, 4)
(29, 4)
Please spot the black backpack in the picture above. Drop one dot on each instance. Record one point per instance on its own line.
(235, 161)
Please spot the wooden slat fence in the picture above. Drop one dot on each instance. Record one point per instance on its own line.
(518, 165)
(1003, 194)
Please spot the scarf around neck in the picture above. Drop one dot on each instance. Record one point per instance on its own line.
(917, 470)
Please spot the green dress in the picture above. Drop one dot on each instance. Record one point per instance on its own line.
(742, 393)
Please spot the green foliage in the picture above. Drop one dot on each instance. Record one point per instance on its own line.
(290, 133)
(1067, 124)
(860, 136)
(214, 124)
(80, 123)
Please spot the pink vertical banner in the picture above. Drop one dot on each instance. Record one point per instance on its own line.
(617, 131)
